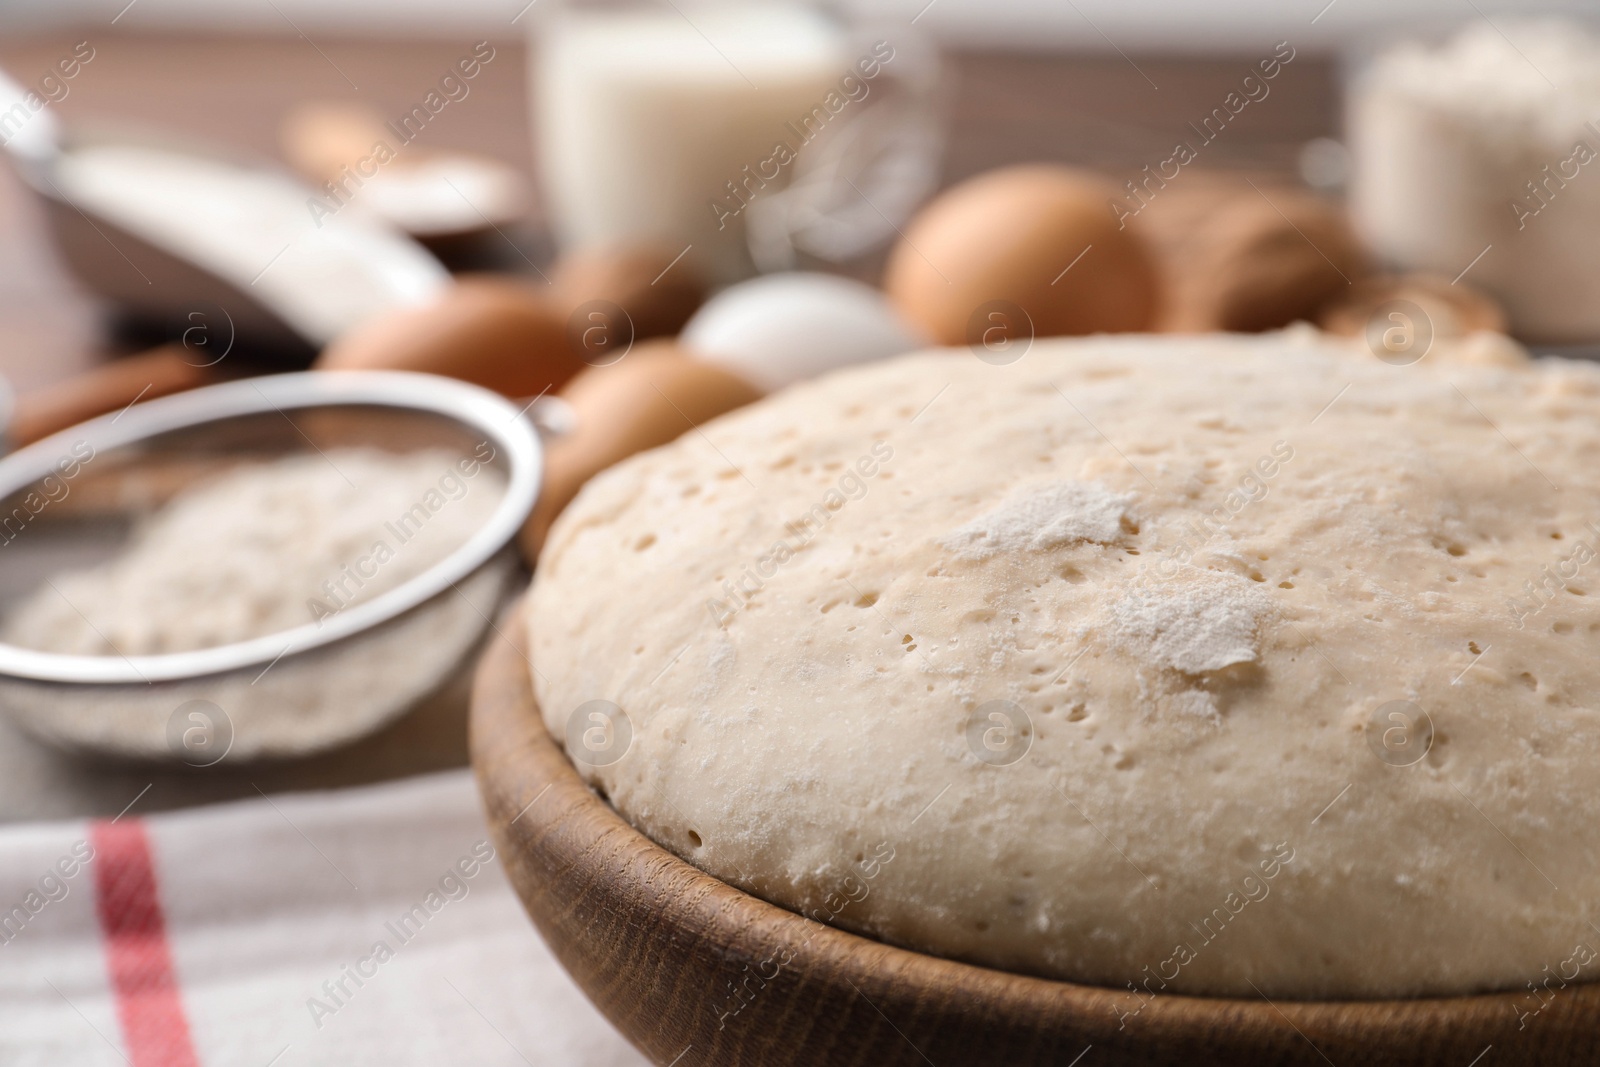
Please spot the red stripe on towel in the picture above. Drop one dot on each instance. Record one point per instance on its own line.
(154, 1029)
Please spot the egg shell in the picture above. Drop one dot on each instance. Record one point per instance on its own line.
(656, 285)
(784, 328)
(433, 194)
(496, 332)
(1040, 237)
(650, 397)
(321, 136)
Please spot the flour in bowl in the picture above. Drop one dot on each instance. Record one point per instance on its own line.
(1484, 147)
(263, 549)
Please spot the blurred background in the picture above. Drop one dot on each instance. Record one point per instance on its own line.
(1154, 25)
(1095, 82)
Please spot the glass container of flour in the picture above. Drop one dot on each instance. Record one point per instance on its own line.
(1478, 158)
(265, 568)
(674, 122)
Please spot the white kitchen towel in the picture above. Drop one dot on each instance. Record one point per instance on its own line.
(367, 926)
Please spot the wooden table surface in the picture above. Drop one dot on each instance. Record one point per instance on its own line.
(1099, 110)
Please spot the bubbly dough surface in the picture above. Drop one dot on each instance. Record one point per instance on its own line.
(1089, 666)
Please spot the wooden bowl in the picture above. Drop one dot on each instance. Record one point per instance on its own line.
(696, 972)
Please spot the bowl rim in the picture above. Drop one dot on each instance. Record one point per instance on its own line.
(475, 407)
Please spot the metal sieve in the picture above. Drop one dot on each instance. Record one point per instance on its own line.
(72, 500)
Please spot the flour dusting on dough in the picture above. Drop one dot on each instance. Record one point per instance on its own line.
(1200, 622)
(1041, 516)
(1195, 702)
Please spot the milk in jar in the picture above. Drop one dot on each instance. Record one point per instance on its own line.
(648, 119)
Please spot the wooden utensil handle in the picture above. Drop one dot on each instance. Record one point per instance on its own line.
(111, 387)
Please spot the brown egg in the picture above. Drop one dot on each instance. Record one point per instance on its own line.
(1259, 259)
(1452, 309)
(656, 287)
(320, 137)
(500, 333)
(1039, 238)
(348, 150)
(653, 395)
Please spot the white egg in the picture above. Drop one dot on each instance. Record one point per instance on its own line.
(784, 328)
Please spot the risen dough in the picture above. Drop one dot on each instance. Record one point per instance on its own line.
(1201, 571)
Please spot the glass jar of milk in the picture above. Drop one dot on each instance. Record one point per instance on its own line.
(665, 121)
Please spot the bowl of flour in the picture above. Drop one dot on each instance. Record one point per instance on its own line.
(261, 569)
(1478, 157)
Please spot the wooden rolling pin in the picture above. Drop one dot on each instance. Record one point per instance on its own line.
(111, 387)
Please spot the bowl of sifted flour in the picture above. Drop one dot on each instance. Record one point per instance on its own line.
(260, 569)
